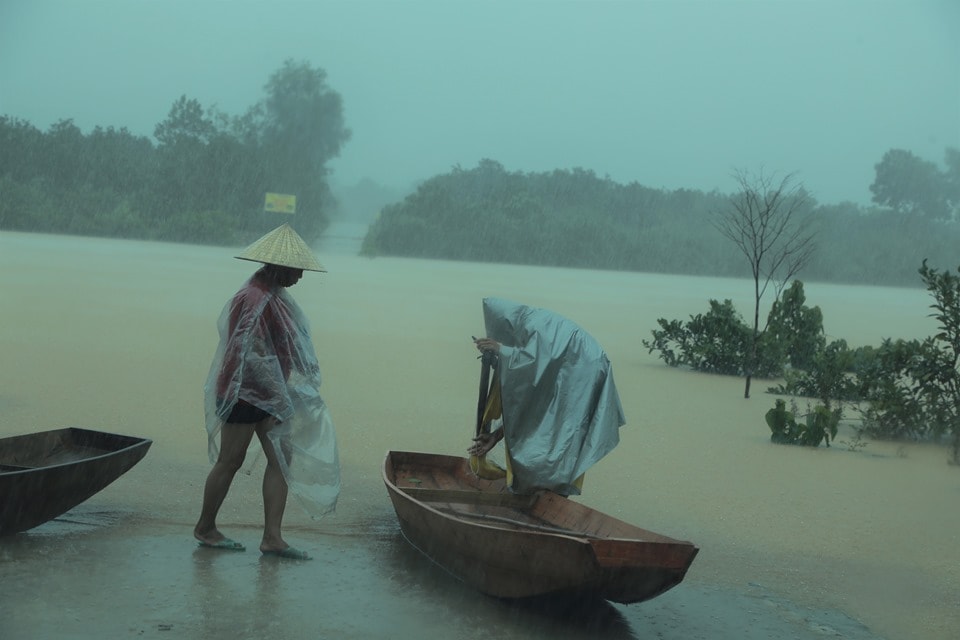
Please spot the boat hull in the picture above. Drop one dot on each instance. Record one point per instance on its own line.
(43, 475)
(513, 546)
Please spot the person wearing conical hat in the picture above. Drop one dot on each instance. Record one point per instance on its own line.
(265, 381)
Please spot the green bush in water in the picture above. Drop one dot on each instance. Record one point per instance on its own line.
(819, 425)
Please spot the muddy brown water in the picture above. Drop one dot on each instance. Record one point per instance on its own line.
(858, 542)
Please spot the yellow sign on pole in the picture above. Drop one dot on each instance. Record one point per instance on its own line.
(280, 203)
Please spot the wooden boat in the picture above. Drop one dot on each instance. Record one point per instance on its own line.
(43, 475)
(516, 546)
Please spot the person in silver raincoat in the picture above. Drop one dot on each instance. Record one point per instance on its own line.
(265, 380)
(559, 405)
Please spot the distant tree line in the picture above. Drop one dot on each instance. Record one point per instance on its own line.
(203, 181)
(203, 176)
(573, 218)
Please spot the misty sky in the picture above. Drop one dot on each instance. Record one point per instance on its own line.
(673, 94)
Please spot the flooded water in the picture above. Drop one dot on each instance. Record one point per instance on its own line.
(118, 336)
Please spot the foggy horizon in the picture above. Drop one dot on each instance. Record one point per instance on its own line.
(669, 95)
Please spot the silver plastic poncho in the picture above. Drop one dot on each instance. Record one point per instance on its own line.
(561, 409)
(266, 358)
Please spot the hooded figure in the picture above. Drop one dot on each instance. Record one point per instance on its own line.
(560, 408)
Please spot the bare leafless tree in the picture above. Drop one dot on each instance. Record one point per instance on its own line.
(765, 222)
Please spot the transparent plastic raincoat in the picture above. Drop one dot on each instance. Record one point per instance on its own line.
(266, 358)
(560, 407)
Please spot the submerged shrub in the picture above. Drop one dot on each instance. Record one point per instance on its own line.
(912, 387)
(818, 425)
(719, 341)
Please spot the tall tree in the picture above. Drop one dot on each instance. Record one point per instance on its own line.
(909, 184)
(64, 147)
(183, 136)
(185, 121)
(302, 129)
(952, 179)
(22, 153)
(765, 221)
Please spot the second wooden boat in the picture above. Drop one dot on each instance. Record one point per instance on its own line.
(516, 546)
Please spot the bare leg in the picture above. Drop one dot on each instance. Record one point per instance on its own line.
(274, 494)
(234, 440)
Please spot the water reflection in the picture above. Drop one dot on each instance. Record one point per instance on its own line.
(222, 596)
(81, 519)
(246, 594)
(547, 617)
(267, 597)
(569, 617)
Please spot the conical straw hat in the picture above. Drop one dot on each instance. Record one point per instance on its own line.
(284, 247)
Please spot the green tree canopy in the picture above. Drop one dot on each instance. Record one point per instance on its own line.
(203, 181)
(301, 129)
(909, 184)
(186, 121)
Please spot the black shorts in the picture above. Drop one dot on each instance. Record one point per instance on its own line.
(246, 413)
